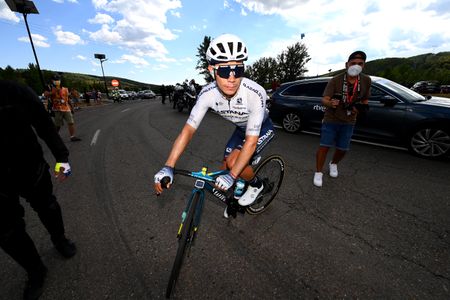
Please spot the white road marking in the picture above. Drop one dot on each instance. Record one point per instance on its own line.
(125, 110)
(94, 139)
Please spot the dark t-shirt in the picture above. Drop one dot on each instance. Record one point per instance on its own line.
(334, 87)
(22, 115)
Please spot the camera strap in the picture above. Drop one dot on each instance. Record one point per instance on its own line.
(356, 89)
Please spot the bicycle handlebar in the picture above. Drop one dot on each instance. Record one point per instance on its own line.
(210, 176)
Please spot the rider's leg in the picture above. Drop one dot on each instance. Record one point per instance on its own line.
(247, 174)
(232, 151)
(255, 184)
(235, 143)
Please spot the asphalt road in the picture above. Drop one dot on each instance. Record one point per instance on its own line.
(380, 230)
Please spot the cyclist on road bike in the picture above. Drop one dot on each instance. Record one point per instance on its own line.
(237, 99)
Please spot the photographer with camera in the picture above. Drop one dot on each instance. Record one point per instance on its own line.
(345, 95)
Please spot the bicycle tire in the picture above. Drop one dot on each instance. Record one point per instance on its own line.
(183, 241)
(271, 172)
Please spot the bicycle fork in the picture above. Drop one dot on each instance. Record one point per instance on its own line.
(197, 215)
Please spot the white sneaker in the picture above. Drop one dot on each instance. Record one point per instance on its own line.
(318, 179)
(333, 170)
(250, 195)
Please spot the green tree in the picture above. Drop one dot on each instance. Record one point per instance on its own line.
(202, 63)
(291, 62)
(32, 79)
(263, 71)
(9, 73)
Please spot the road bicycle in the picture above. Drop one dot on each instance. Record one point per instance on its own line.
(270, 171)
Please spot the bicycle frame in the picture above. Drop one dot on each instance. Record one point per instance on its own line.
(204, 181)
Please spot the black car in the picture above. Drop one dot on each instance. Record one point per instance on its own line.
(445, 89)
(398, 116)
(424, 87)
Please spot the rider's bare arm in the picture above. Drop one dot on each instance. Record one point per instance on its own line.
(180, 145)
(178, 148)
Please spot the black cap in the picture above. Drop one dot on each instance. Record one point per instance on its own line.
(56, 76)
(357, 54)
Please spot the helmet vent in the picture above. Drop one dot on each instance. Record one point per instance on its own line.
(239, 47)
(230, 46)
(221, 47)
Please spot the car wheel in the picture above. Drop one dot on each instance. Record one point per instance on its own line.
(291, 122)
(430, 142)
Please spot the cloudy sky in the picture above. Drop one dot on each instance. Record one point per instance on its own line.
(155, 41)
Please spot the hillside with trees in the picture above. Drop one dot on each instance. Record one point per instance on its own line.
(81, 82)
(407, 71)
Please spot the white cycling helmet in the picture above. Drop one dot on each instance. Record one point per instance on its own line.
(225, 48)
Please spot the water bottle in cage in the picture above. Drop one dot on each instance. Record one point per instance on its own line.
(239, 188)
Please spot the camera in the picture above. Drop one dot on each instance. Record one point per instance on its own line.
(362, 108)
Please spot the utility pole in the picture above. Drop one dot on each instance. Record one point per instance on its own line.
(102, 58)
(26, 7)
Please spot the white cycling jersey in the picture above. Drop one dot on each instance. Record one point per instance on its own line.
(246, 109)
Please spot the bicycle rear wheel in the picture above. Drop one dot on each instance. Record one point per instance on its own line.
(271, 172)
(184, 241)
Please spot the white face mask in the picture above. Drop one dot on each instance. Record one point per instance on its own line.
(354, 70)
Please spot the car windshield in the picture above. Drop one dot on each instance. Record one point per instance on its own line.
(400, 89)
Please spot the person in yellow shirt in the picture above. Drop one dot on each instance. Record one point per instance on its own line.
(62, 107)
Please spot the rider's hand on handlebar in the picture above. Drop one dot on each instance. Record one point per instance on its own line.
(164, 172)
(224, 182)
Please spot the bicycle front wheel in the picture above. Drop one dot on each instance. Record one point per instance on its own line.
(184, 240)
(271, 172)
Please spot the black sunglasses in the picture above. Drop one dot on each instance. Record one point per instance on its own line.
(225, 71)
